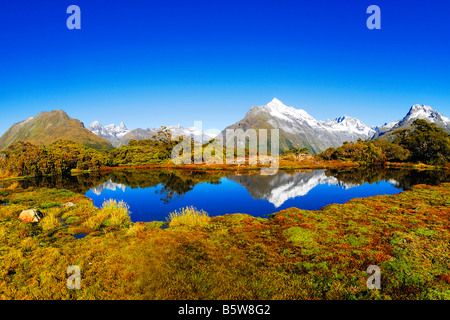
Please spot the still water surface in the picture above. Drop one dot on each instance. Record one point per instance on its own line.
(153, 194)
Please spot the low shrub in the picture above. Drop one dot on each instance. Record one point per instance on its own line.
(113, 214)
(188, 216)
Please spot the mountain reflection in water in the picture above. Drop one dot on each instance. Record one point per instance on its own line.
(153, 194)
(109, 185)
(281, 187)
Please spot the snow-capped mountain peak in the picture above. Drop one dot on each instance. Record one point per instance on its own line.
(122, 126)
(111, 132)
(278, 109)
(425, 112)
(275, 101)
(421, 108)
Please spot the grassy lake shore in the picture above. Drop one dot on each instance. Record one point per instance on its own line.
(295, 254)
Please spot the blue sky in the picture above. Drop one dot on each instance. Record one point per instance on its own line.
(151, 63)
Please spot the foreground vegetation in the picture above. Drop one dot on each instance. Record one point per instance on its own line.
(296, 254)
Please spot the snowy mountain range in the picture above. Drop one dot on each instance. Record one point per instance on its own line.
(289, 118)
(120, 135)
(110, 132)
(297, 128)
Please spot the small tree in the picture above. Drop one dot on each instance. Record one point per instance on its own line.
(297, 150)
(427, 143)
(392, 151)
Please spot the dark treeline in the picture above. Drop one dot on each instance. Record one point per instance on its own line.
(26, 159)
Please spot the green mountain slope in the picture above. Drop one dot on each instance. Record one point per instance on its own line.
(48, 127)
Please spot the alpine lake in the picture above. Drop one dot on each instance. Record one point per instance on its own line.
(152, 194)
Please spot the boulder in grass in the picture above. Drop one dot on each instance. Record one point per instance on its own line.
(304, 156)
(32, 215)
(68, 205)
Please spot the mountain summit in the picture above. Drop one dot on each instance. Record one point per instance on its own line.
(426, 113)
(48, 127)
(299, 129)
(110, 132)
(417, 111)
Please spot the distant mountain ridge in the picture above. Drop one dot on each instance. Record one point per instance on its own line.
(176, 131)
(48, 127)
